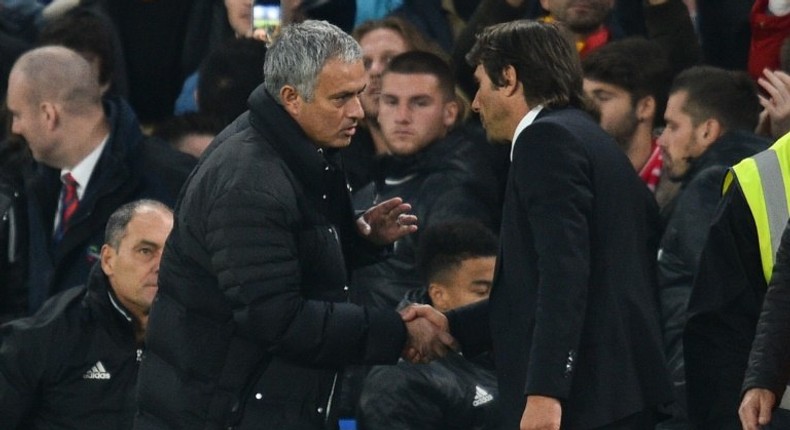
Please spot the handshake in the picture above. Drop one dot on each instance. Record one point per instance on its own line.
(428, 334)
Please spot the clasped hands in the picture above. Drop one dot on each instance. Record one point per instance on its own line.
(428, 334)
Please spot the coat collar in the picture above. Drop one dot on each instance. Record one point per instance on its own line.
(309, 163)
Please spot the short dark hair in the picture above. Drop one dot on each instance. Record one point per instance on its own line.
(86, 31)
(421, 62)
(116, 224)
(546, 63)
(637, 65)
(443, 247)
(227, 77)
(728, 96)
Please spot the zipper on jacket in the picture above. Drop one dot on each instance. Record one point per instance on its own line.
(329, 401)
(12, 248)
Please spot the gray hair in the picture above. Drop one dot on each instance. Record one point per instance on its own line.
(116, 224)
(300, 52)
(56, 73)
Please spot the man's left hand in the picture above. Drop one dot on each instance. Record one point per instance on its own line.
(387, 222)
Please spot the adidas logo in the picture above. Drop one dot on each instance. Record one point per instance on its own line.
(481, 397)
(97, 372)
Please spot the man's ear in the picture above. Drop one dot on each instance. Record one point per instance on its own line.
(510, 77)
(709, 131)
(51, 114)
(438, 295)
(291, 100)
(646, 109)
(450, 114)
(107, 256)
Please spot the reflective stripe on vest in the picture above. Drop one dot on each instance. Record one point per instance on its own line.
(762, 179)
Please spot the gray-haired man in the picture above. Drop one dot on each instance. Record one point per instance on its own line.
(256, 267)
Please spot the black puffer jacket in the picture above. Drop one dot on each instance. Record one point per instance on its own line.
(451, 179)
(73, 365)
(255, 268)
(688, 219)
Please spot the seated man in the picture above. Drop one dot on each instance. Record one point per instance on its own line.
(436, 167)
(457, 262)
(74, 363)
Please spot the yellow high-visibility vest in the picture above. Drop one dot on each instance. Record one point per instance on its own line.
(765, 181)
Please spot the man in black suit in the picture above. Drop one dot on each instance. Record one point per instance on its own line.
(572, 316)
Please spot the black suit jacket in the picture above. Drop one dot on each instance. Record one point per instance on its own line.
(573, 311)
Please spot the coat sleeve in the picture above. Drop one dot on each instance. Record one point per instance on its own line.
(258, 244)
(769, 360)
(552, 183)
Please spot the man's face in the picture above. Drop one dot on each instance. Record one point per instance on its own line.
(470, 283)
(413, 112)
(618, 114)
(28, 121)
(378, 48)
(240, 16)
(680, 141)
(133, 268)
(488, 102)
(331, 117)
(580, 16)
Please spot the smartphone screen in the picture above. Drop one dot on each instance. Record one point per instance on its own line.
(266, 16)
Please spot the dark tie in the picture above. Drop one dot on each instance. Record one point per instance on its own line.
(68, 205)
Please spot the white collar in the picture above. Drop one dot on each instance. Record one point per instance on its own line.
(525, 122)
(84, 169)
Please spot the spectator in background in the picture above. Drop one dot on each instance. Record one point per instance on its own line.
(381, 40)
(238, 14)
(628, 80)
(456, 263)
(770, 26)
(667, 22)
(91, 158)
(228, 76)
(191, 133)
(724, 32)
(91, 34)
(710, 116)
(74, 363)
(435, 167)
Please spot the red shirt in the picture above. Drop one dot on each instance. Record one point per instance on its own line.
(651, 171)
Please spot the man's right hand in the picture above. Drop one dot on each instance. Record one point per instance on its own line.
(755, 410)
(429, 336)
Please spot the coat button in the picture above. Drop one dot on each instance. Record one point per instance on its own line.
(258, 396)
(320, 410)
(324, 197)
